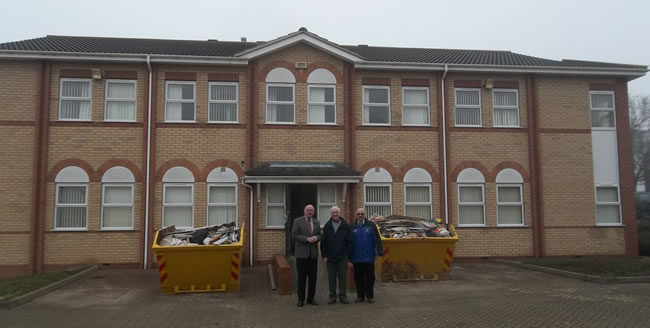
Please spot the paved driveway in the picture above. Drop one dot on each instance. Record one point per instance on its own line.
(480, 295)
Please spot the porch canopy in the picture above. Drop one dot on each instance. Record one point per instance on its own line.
(302, 172)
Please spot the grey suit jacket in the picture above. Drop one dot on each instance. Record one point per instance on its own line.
(299, 233)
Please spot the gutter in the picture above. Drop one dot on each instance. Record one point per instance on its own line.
(147, 169)
(444, 144)
(250, 222)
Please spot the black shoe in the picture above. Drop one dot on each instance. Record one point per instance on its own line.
(371, 300)
(301, 303)
(358, 300)
(344, 301)
(312, 302)
(332, 301)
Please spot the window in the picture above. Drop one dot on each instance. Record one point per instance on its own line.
(120, 100)
(179, 104)
(280, 96)
(71, 199)
(415, 106)
(602, 109)
(222, 196)
(178, 198)
(506, 107)
(326, 199)
(376, 105)
(510, 205)
(322, 106)
(377, 193)
(117, 199)
(275, 206)
(471, 198)
(608, 211)
(417, 193)
(74, 102)
(468, 107)
(223, 102)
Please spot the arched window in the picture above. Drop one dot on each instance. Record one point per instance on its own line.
(280, 96)
(417, 193)
(71, 199)
(471, 198)
(117, 199)
(178, 198)
(321, 97)
(377, 192)
(222, 196)
(510, 204)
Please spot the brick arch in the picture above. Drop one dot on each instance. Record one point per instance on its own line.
(419, 164)
(92, 176)
(179, 162)
(300, 78)
(509, 165)
(137, 173)
(469, 164)
(383, 164)
(221, 162)
(321, 64)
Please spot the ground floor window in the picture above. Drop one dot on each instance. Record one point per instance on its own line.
(608, 210)
(178, 205)
(275, 205)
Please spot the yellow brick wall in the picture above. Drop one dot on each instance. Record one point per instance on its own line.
(300, 145)
(16, 177)
(585, 241)
(489, 149)
(396, 147)
(481, 242)
(200, 146)
(19, 88)
(15, 249)
(92, 248)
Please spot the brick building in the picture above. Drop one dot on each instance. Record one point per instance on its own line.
(106, 140)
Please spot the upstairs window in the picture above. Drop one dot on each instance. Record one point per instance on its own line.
(74, 101)
(506, 107)
(280, 96)
(179, 105)
(415, 106)
(321, 97)
(468, 107)
(602, 109)
(376, 105)
(120, 101)
(223, 102)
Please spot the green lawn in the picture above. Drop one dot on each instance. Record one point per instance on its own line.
(12, 287)
(597, 266)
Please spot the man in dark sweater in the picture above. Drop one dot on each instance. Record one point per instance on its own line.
(335, 247)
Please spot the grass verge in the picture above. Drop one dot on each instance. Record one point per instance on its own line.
(12, 287)
(597, 266)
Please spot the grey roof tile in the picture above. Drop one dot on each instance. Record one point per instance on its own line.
(303, 169)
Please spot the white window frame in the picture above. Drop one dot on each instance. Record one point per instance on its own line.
(292, 103)
(405, 106)
(390, 194)
(165, 205)
(365, 105)
(309, 102)
(133, 100)
(89, 99)
(520, 203)
(430, 203)
(236, 101)
(269, 204)
(494, 108)
(482, 185)
(319, 203)
(597, 109)
(57, 205)
(479, 106)
(104, 205)
(193, 101)
(617, 203)
(208, 204)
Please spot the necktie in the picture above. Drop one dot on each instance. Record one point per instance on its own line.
(309, 227)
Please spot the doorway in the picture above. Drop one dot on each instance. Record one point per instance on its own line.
(298, 196)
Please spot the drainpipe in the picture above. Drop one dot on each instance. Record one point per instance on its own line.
(250, 222)
(147, 169)
(444, 143)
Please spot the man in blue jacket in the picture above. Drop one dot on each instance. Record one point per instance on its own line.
(367, 246)
(335, 248)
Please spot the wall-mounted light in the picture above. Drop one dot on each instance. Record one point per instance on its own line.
(97, 73)
(489, 83)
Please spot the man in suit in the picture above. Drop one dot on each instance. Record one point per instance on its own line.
(306, 233)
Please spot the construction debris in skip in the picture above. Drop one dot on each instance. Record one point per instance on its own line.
(224, 234)
(397, 226)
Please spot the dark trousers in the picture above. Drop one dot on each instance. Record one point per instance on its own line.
(364, 277)
(306, 269)
(337, 270)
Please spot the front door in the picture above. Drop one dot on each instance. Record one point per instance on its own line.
(298, 196)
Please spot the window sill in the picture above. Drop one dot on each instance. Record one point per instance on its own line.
(182, 122)
(274, 228)
(115, 230)
(376, 124)
(71, 230)
(64, 120)
(223, 122)
(280, 123)
(612, 225)
(327, 124)
(417, 125)
(513, 226)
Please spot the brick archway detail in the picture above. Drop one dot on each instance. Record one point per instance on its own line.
(419, 164)
(137, 173)
(383, 164)
(469, 164)
(92, 176)
(320, 64)
(221, 162)
(509, 165)
(299, 75)
(179, 162)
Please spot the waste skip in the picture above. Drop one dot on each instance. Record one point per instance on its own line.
(198, 268)
(417, 258)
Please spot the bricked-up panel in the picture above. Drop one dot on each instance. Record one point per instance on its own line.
(191, 144)
(16, 176)
(585, 241)
(375, 81)
(180, 76)
(481, 242)
(92, 247)
(122, 75)
(19, 90)
(300, 145)
(76, 73)
(223, 77)
(398, 149)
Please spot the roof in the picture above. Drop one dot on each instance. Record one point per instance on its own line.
(303, 169)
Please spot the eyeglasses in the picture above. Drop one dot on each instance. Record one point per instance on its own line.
(361, 213)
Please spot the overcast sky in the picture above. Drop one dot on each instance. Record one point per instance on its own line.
(597, 30)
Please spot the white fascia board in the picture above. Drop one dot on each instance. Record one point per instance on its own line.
(293, 39)
(301, 179)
